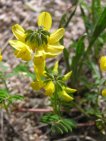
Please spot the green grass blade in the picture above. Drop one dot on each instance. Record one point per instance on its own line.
(99, 28)
(96, 10)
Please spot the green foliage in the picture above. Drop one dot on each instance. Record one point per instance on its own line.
(6, 99)
(99, 28)
(20, 68)
(58, 124)
(96, 9)
(86, 76)
(3, 95)
(48, 118)
(76, 60)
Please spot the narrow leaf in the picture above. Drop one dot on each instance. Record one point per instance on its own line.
(99, 28)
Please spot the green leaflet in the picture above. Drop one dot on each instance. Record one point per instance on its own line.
(58, 124)
(3, 95)
(6, 99)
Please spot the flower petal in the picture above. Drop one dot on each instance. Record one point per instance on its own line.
(24, 55)
(57, 35)
(39, 62)
(16, 44)
(19, 32)
(45, 20)
(49, 88)
(53, 50)
(22, 50)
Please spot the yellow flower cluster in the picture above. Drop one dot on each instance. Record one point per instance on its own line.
(49, 86)
(37, 45)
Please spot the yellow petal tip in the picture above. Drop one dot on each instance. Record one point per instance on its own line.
(45, 20)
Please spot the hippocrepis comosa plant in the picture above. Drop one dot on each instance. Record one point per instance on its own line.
(36, 46)
(40, 44)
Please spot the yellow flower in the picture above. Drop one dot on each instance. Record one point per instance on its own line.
(103, 63)
(64, 96)
(0, 56)
(22, 50)
(104, 92)
(53, 47)
(49, 88)
(40, 42)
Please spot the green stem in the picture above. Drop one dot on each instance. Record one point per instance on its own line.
(70, 17)
(56, 105)
(55, 100)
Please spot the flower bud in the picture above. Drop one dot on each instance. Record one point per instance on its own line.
(70, 90)
(103, 63)
(67, 76)
(64, 96)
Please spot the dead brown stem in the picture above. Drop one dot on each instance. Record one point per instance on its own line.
(37, 110)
